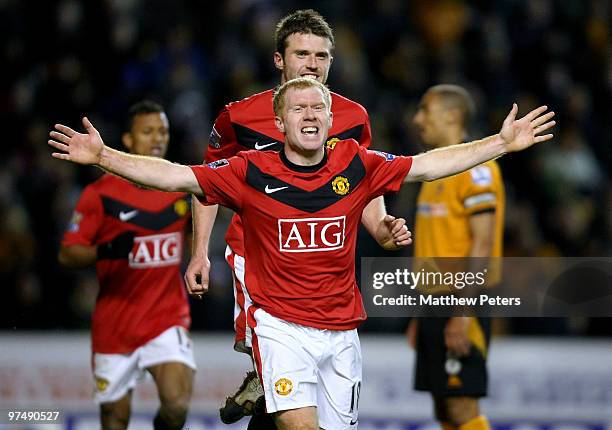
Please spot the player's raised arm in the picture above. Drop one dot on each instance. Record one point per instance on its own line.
(515, 135)
(89, 149)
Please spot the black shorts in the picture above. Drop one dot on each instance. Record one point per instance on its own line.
(444, 375)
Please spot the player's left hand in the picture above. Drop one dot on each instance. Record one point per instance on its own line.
(522, 133)
(77, 147)
(456, 336)
(393, 234)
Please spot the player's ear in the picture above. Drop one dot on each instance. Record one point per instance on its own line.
(278, 121)
(279, 62)
(452, 116)
(331, 118)
(128, 142)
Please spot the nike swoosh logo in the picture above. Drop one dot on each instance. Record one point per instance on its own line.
(273, 190)
(352, 423)
(265, 145)
(126, 216)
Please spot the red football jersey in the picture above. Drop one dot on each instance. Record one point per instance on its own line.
(300, 226)
(249, 124)
(141, 295)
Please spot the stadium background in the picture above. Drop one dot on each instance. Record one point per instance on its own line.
(64, 59)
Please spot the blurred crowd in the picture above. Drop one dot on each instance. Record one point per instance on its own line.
(63, 59)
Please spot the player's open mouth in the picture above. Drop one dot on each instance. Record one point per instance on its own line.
(310, 75)
(310, 130)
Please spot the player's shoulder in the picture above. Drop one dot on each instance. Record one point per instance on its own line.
(105, 182)
(343, 145)
(343, 103)
(262, 99)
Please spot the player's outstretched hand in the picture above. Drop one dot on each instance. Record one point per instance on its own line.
(456, 336)
(522, 133)
(393, 233)
(197, 275)
(77, 147)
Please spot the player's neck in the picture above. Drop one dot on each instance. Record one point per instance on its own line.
(300, 162)
(453, 136)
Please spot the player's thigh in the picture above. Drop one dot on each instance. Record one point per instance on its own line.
(297, 419)
(444, 374)
(340, 376)
(115, 376)
(285, 354)
(429, 372)
(174, 382)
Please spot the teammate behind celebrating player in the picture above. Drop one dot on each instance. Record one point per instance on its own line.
(301, 238)
(304, 46)
(135, 237)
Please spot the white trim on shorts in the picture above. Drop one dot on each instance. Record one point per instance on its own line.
(238, 271)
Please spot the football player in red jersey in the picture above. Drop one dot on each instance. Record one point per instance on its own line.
(301, 209)
(304, 48)
(304, 45)
(134, 236)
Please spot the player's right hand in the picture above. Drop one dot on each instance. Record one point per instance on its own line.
(197, 276)
(77, 147)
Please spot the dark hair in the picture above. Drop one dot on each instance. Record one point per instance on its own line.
(457, 97)
(305, 21)
(140, 108)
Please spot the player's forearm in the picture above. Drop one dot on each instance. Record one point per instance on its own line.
(76, 256)
(149, 171)
(372, 215)
(203, 221)
(450, 160)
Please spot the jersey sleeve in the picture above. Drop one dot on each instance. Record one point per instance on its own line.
(479, 190)
(86, 220)
(366, 134)
(222, 142)
(385, 172)
(222, 182)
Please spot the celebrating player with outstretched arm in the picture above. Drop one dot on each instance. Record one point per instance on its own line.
(301, 208)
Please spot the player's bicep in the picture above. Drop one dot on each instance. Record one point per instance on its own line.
(482, 230)
(386, 172)
(221, 182)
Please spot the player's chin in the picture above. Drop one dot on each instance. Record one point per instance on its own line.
(311, 143)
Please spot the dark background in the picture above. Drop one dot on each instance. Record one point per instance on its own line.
(64, 59)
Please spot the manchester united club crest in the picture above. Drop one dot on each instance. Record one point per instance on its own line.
(331, 143)
(283, 387)
(341, 185)
(181, 207)
(101, 384)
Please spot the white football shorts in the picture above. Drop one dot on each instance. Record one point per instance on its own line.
(304, 366)
(116, 374)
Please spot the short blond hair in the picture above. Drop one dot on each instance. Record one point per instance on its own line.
(298, 84)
